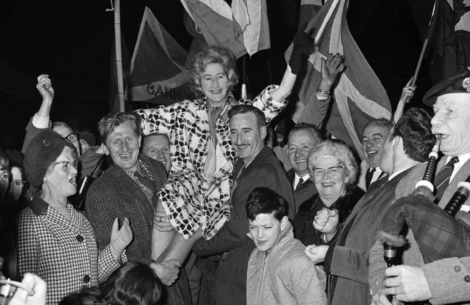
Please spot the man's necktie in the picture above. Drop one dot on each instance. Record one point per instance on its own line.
(301, 180)
(441, 182)
(369, 176)
(150, 185)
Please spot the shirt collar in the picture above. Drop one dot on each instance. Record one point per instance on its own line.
(396, 174)
(38, 206)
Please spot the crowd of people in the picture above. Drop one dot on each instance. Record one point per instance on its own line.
(187, 204)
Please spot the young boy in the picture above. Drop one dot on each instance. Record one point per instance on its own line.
(279, 272)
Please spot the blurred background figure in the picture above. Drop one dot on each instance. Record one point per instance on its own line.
(133, 283)
(157, 147)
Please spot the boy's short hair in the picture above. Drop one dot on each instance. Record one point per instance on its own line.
(265, 201)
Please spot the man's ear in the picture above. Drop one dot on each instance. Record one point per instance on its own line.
(105, 149)
(284, 222)
(249, 235)
(264, 132)
(396, 142)
(140, 140)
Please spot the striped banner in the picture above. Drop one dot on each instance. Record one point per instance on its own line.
(359, 95)
(157, 70)
(242, 28)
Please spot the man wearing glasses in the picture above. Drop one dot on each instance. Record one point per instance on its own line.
(347, 260)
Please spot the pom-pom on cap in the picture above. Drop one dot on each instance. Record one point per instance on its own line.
(44, 149)
(459, 83)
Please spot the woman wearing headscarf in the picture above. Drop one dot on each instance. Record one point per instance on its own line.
(55, 241)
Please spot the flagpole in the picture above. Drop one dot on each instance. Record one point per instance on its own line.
(431, 30)
(244, 92)
(117, 33)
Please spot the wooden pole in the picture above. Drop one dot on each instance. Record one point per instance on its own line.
(431, 30)
(117, 33)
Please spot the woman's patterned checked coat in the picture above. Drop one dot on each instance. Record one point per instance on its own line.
(189, 200)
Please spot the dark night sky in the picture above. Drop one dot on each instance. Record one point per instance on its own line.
(71, 41)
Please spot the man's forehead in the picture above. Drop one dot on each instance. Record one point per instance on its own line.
(452, 98)
(375, 129)
(156, 139)
(243, 120)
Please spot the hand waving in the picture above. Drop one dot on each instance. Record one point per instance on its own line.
(44, 87)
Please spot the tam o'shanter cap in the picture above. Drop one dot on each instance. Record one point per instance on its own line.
(459, 83)
(44, 149)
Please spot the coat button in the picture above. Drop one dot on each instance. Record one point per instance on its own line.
(80, 238)
(86, 279)
(467, 278)
(457, 269)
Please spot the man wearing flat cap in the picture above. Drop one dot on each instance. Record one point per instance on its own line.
(444, 281)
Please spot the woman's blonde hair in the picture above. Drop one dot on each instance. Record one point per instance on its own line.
(212, 55)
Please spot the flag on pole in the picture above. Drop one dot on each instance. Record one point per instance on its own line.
(113, 85)
(450, 38)
(308, 9)
(157, 68)
(358, 95)
(242, 27)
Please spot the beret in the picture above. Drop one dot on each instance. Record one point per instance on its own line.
(44, 149)
(459, 83)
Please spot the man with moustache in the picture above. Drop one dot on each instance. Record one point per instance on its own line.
(256, 167)
(407, 145)
(443, 281)
(302, 138)
(373, 137)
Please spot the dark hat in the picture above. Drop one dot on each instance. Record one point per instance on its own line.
(44, 149)
(459, 83)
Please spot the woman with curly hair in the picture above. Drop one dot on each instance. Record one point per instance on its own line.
(333, 170)
(195, 201)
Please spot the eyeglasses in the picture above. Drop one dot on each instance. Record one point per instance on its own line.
(66, 165)
(333, 171)
(72, 137)
(17, 184)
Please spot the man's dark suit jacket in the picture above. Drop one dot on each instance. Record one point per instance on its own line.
(303, 192)
(230, 283)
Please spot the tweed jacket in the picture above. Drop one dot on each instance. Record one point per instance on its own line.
(284, 275)
(449, 278)
(189, 199)
(62, 252)
(347, 261)
(303, 192)
(230, 284)
(115, 194)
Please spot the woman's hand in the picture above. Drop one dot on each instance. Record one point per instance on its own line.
(326, 221)
(316, 253)
(44, 87)
(162, 223)
(302, 43)
(120, 238)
